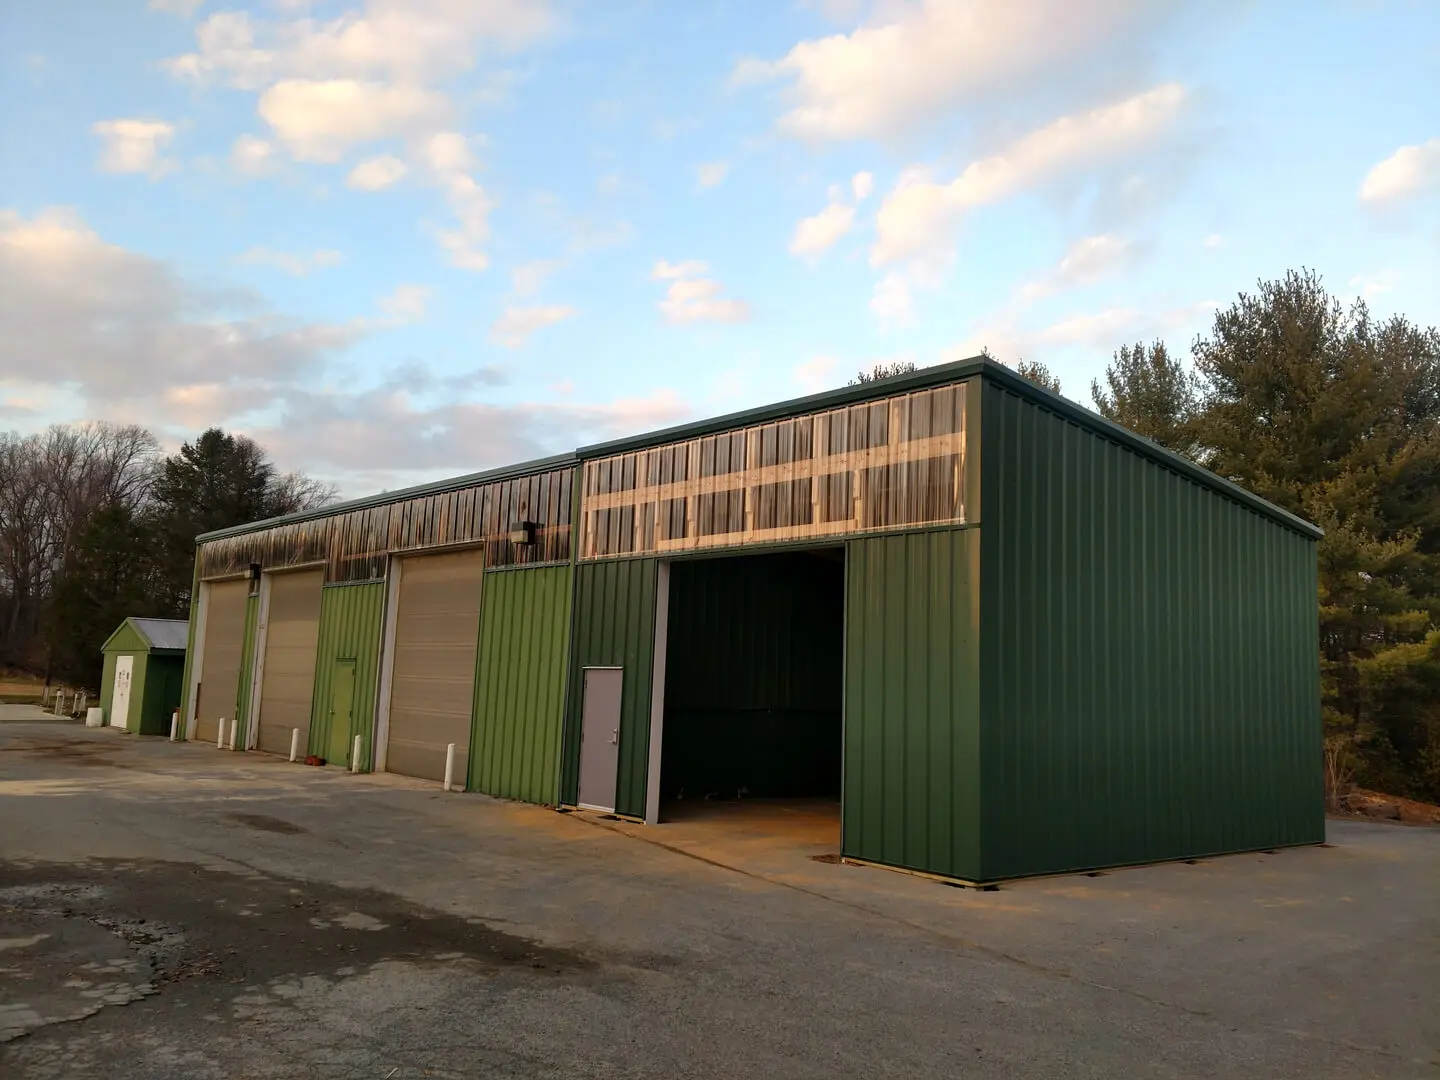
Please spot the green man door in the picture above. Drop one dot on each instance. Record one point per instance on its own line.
(342, 701)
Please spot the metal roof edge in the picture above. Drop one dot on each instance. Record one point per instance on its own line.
(920, 379)
(1072, 410)
(435, 487)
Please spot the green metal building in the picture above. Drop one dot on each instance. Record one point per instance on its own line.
(141, 682)
(1002, 635)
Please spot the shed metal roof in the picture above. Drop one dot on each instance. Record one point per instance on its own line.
(921, 379)
(163, 633)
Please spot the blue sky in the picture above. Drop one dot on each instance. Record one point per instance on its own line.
(401, 240)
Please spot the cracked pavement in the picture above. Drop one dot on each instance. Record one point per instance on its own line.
(172, 911)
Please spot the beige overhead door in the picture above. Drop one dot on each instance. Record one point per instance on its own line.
(220, 659)
(432, 683)
(292, 627)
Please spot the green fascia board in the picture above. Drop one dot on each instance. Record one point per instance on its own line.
(436, 487)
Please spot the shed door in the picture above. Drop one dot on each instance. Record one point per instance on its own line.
(432, 683)
(600, 738)
(220, 661)
(120, 692)
(292, 628)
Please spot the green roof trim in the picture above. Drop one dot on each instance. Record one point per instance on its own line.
(921, 379)
(436, 487)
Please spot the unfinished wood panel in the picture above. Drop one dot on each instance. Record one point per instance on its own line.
(288, 680)
(877, 465)
(222, 652)
(432, 685)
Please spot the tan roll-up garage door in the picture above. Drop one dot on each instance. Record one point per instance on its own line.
(220, 658)
(292, 627)
(432, 683)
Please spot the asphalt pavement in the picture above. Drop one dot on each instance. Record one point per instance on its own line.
(177, 911)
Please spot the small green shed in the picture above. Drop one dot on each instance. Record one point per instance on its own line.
(143, 675)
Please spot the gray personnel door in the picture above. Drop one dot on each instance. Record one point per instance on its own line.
(599, 738)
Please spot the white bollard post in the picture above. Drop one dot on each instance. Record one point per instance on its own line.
(174, 724)
(84, 699)
(449, 765)
(355, 755)
(220, 737)
(59, 699)
(294, 743)
(234, 726)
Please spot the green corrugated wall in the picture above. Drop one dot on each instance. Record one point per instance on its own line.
(247, 671)
(1150, 678)
(912, 702)
(351, 625)
(520, 684)
(614, 626)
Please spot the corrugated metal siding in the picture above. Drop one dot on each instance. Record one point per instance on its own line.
(912, 702)
(1151, 683)
(351, 625)
(247, 670)
(520, 684)
(754, 675)
(161, 693)
(615, 627)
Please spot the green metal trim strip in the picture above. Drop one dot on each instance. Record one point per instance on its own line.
(436, 487)
(247, 670)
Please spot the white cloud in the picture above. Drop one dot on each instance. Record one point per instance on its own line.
(1087, 262)
(1372, 285)
(668, 271)
(297, 265)
(1404, 174)
(514, 327)
(889, 75)
(1100, 331)
(815, 235)
(861, 185)
(692, 298)
(405, 40)
(527, 278)
(918, 217)
(711, 174)
(377, 173)
(449, 156)
(816, 374)
(114, 325)
(892, 301)
(133, 145)
(320, 120)
(252, 156)
(381, 437)
(184, 8)
(406, 304)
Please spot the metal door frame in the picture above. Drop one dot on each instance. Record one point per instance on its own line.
(580, 771)
(657, 694)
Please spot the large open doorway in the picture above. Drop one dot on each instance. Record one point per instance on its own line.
(753, 695)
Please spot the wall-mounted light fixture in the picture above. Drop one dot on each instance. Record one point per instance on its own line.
(523, 532)
(254, 571)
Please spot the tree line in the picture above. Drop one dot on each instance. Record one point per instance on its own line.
(97, 524)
